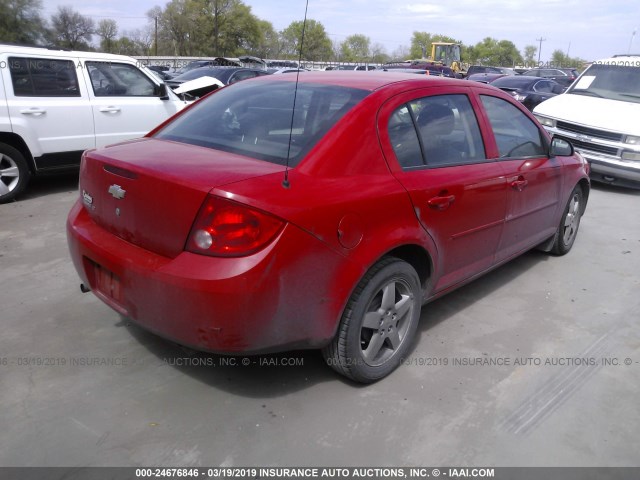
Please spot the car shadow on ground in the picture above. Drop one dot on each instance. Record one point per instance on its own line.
(453, 303)
(604, 187)
(50, 184)
(276, 375)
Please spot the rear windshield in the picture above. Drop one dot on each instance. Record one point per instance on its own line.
(254, 119)
(614, 82)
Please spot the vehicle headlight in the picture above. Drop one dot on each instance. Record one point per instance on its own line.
(632, 140)
(545, 121)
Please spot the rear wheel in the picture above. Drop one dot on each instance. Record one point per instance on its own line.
(14, 173)
(378, 324)
(569, 224)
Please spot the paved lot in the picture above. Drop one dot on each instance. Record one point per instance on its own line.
(81, 387)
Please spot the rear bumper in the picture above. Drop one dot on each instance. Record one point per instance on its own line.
(288, 295)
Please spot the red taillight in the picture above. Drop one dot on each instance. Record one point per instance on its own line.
(227, 229)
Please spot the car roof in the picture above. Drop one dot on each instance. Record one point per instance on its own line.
(630, 60)
(221, 73)
(372, 81)
(59, 53)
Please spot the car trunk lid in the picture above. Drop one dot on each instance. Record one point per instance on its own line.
(148, 192)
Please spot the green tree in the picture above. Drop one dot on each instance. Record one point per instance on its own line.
(71, 30)
(107, 31)
(530, 55)
(561, 60)
(20, 21)
(240, 33)
(495, 52)
(355, 48)
(268, 44)
(317, 45)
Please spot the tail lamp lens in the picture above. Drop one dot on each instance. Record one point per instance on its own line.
(224, 228)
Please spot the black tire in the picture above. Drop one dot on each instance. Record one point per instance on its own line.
(14, 173)
(373, 338)
(569, 223)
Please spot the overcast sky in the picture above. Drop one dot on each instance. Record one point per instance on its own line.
(590, 29)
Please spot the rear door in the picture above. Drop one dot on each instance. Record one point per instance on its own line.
(534, 180)
(125, 102)
(49, 108)
(436, 150)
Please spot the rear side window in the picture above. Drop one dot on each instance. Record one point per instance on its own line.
(42, 77)
(255, 119)
(436, 131)
(515, 133)
(119, 80)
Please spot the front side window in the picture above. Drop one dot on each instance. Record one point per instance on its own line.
(516, 135)
(42, 77)
(255, 119)
(119, 80)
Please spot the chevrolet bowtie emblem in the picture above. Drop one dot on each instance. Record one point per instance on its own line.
(116, 191)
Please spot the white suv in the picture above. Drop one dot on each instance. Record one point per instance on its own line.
(56, 104)
(600, 115)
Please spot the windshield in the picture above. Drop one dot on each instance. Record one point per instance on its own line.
(614, 82)
(254, 119)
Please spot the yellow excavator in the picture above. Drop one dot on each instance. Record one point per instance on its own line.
(448, 54)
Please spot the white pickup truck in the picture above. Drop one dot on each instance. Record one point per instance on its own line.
(55, 104)
(600, 115)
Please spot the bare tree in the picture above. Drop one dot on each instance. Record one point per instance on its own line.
(107, 30)
(70, 29)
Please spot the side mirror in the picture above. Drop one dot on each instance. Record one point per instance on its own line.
(558, 89)
(162, 91)
(560, 148)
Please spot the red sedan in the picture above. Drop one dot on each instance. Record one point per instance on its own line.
(275, 215)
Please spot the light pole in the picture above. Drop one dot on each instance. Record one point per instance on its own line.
(631, 41)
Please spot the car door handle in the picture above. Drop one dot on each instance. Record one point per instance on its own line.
(519, 184)
(33, 111)
(441, 202)
(109, 109)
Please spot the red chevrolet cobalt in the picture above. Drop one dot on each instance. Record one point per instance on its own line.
(275, 215)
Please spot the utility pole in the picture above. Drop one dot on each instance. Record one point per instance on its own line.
(540, 48)
(631, 41)
(156, 42)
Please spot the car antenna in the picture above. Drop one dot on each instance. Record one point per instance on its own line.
(285, 182)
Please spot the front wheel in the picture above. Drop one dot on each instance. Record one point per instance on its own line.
(568, 228)
(378, 323)
(14, 173)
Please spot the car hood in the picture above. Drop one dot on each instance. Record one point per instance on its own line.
(600, 113)
(198, 84)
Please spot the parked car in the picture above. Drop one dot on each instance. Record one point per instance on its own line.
(564, 76)
(475, 69)
(484, 77)
(600, 115)
(55, 104)
(278, 71)
(215, 62)
(330, 231)
(433, 67)
(530, 91)
(223, 75)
